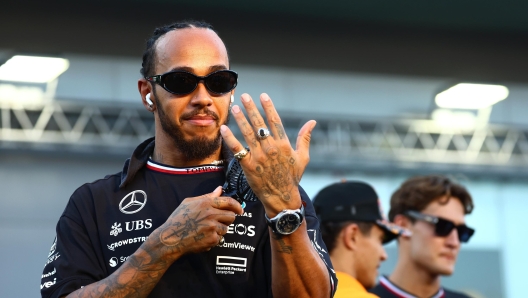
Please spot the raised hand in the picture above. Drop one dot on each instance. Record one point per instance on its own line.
(272, 167)
(198, 224)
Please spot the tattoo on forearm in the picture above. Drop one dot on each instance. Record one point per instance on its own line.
(284, 248)
(137, 277)
(134, 279)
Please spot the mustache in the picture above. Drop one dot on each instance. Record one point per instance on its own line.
(198, 112)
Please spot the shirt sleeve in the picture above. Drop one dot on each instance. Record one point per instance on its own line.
(72, 262)
(317, 240)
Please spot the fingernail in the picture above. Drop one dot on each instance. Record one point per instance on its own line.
(245, 98)
(223, 128)
(235, 109)
(265, 97)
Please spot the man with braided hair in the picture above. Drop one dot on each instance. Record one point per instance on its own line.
(163, 227)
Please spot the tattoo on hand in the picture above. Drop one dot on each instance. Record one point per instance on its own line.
(256, 119)
(277, 174)
(180, 208)
(272, 152)
(199, 237)
(280, 130)
(248, 132)
(175, 233)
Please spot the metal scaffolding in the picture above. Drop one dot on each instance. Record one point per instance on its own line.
(337, 144)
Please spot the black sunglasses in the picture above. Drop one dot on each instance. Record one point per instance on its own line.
(443, 227)
(183, 82)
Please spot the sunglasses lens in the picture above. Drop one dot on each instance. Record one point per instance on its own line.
(464, 233)
(221, 82)
(443, 227)
(179, 82)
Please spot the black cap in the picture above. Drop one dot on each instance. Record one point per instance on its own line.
(353, 200)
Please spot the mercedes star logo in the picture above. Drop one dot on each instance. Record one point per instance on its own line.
(133, 202)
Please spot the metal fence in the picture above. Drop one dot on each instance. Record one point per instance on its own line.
(337, 143)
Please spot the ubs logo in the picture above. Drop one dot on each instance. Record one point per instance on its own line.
(133, 202)
(241, 229)
(134, 225)
(138, 225)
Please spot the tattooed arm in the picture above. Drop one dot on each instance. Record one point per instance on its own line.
(195, 226)
(273, 170)
(296, 269)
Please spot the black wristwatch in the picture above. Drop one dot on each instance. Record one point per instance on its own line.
(287, 221)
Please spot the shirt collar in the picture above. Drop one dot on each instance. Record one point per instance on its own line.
(141, 155)
(399, 292)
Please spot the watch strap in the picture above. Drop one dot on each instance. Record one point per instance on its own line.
(272, 221)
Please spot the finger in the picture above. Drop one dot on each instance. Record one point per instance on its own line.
(233, 144)
(226, 203)
(223, 217)
(217, 192)
(303, 140)
(221, 229)
(276, 127)
(248, 132)
(253, 113)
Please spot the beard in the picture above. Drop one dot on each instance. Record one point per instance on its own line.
(198, 148)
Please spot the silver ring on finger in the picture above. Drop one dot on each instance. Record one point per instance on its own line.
(241, 154)
(263, 133)
(222, 241)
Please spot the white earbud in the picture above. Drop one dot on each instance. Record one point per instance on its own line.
(232, 98)
(147, 98)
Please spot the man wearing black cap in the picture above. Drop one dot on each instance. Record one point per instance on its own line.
(354, 231)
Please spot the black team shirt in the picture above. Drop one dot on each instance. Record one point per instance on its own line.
(106, 221)
(386, 289)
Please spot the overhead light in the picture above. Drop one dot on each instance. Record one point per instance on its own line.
(471, 96)
(32, 69)
(458, 119)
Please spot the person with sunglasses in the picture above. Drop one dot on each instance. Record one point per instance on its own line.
(431, 209)
(163, 227)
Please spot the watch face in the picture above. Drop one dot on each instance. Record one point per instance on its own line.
(288, 223)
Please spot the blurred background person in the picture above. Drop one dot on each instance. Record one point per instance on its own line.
(432, 209)
(354, 230)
